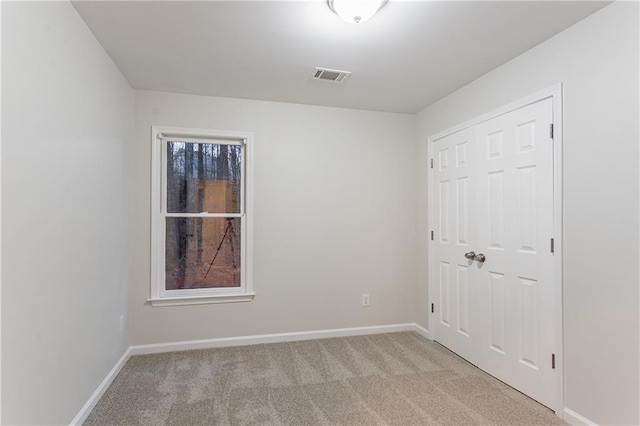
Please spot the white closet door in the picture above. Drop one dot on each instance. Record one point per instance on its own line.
(455, 204)
(492, 194)
(514, 230)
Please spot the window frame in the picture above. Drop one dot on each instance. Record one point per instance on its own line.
(160, 136)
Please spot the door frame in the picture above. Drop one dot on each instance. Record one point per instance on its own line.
(554, 92)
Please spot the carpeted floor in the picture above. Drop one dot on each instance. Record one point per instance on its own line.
(393, 379)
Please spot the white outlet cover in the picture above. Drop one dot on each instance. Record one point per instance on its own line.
(366, 300)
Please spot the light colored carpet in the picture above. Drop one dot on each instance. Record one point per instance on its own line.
(384, 379)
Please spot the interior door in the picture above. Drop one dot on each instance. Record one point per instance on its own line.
(454, 231)
(493, 195)
(515, 227)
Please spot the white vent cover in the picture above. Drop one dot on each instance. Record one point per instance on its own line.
(331, 75)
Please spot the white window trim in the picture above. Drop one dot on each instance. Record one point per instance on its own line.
(160, 296)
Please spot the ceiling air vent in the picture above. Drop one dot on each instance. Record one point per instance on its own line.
(331, 75)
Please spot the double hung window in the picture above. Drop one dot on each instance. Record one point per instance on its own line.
(201, 230)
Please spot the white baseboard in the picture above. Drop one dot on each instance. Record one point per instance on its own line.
(102, 388)
(269, 338)
(234, 341)
(422, 331)
(576, 419)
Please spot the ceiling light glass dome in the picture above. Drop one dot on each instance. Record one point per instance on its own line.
(356, 11)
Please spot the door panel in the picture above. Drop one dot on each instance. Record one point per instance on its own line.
(455, 208)
(445, 294)
(528, 348)
(462, 211)
(462, 281)
(516, 200)
(496, 209)
(497, 313)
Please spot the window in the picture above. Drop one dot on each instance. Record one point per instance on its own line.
(201, 223)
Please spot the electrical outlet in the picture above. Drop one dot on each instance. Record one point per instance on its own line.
(121, 323)
(365, 300)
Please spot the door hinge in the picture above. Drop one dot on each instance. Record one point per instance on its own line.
(432, 163)
(552, 245)
(553, 361)
(551, 130)
(432, 308)
(431, 235)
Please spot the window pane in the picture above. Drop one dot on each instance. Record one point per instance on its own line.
(203, 177)
(202, 252)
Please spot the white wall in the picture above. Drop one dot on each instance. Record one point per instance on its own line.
(334, 218)
(67, 120)
(597, 60)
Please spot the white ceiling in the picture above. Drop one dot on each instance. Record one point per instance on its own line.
(409, 55)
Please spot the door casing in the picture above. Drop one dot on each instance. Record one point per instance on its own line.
(555, 93)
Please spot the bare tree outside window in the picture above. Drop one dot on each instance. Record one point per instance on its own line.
(203, 252)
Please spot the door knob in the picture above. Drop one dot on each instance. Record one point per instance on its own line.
(471, 255)
(480, 258)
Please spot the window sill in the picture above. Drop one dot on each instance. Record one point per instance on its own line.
(202, 300)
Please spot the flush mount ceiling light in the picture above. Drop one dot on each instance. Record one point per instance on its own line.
(356, 11)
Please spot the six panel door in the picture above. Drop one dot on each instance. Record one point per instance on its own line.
(515, 227)
(454, 232)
